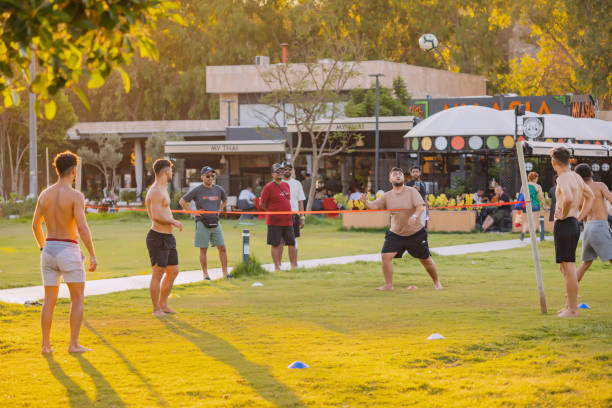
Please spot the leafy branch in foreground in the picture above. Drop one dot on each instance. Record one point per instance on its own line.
(73, 40)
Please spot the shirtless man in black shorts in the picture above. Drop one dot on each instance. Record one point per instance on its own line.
(160, 241)
(571, 192)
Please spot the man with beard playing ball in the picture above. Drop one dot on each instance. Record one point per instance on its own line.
(407, 232)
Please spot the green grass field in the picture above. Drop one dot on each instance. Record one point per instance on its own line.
(231, 343)
(121, 249)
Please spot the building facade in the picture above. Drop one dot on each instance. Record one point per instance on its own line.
(241, 146)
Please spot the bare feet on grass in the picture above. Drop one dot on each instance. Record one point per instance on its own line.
(168, 310)
(47, 350)
(158, 313)
(438, 286)
(567, 313)
(78, 349)
(385, 287)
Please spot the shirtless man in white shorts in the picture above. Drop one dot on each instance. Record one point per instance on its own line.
(62, 209)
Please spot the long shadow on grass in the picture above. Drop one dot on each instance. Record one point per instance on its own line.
(103, 388)
(160, 400)
(76, 395)
(258, 377)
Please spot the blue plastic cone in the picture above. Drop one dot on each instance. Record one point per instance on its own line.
(583, 306)
(298, 364)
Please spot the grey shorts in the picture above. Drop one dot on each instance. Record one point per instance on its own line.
(61, 259)
(597, 241)
(205, 237)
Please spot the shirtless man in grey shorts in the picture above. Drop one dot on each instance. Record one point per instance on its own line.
(597, 237)
(62, 209)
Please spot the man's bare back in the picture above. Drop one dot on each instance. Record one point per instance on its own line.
(158, 203)
(599, 210)
(62, 209)
(569, 194)
(57, 206)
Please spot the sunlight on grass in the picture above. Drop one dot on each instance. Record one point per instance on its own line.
(230, 345)
(121, 249)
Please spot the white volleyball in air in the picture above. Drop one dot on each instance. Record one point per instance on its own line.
(428, 42)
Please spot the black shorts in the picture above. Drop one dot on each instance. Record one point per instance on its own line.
(278, 235)
(567, 234)
(296, 225)
(162, 249)
(416, 244)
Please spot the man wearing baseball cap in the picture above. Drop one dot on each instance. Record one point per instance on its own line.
(297, 204)
(276, 196)
(208, 197)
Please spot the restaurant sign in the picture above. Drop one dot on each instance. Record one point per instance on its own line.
(538, 104)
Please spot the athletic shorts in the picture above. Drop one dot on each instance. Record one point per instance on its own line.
(416, 244)
(205, 236)
(597, 241)
(296, 225)
(61, 259)
(566, 233)
(162, 249)
(278, 235)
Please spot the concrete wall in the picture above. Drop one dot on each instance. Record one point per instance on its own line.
(420, 81)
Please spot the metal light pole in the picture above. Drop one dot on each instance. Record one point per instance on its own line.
(376, 142)
(32, 131)
(229, 102)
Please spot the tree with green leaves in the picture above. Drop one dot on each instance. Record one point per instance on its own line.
(106, 157)
(14, 140)
(155, 149)
(309, 97)
(363, 103)
(73, 41)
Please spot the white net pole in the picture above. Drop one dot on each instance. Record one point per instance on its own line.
(532, 235)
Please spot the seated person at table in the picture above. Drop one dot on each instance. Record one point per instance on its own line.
(245, 199)
(500, 212)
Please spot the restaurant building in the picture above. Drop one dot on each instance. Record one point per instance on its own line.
(242, 147)
(468, 147)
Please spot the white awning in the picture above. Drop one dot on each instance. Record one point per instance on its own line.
(577, 149)
(225, 146)
(483, 121)
(147, 128)
(361, 124)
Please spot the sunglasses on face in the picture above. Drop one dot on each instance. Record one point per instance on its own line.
(279, 171)
(210, 176)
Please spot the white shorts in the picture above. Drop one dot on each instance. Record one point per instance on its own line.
(61, 259)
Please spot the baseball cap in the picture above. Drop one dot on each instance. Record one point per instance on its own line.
(286, 164)
(276, 167)
(207, 169)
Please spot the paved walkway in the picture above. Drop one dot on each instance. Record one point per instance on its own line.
(104, 286)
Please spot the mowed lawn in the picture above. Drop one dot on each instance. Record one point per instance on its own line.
(231, 343)
(121, 248)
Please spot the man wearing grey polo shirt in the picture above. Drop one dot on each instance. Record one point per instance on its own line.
(208, 197)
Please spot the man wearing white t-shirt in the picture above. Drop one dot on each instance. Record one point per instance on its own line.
(297, 198)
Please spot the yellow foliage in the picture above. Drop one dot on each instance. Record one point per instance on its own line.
(499, 19)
